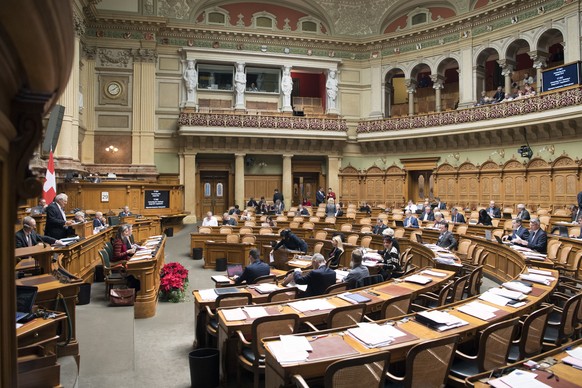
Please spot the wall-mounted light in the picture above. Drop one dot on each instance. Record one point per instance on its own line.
(549, 149)
(111, 149)
(262, 164)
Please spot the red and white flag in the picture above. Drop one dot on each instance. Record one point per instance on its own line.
(49, 191)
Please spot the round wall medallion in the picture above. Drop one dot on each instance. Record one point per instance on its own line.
(113, 89)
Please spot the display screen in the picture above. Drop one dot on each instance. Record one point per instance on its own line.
(157, 199)
(561, 77)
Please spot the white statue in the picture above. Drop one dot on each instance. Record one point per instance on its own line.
(331, 86)
(190, 80)
(287, 88)
(240, 81)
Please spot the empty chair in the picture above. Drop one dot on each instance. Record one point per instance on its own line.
(225, 230)
(232, 238)
(563, 257)
(250, 223)
(552, 248)
(463, 247)
(429, 300)
(249, 239)
(342, 316)
(498, 232)
(251, 354)
(204, 230)
(458, 289)
(395, 307)
(112, 275)
(321, 235)
(294, 225)
(346, 227)
(298, 218)
(307, 225)
(366, 221)
(427, 364)
(266, 230)
(399, 232)
(365, 371)
(366, 229)
(286, 293)
(352, 239)
(563, 320)
(329, 220)
(281, 218)
(245, 230)
(413, 235)
(365, 241)
(317, 247)
(461, 229)
(473, 286)
(369, 281)
(314, 219)
(335, 288)
(493, 348)
(226, 300)
(529, 343)
(266, 279)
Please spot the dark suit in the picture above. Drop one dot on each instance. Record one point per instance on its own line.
(304, 212)
(458, 218)
(429, 216)
(523, 215)
(278, 196)
(97, 223)
(576, 214)
(293, 243)
(441, 205)
(55, 223)
(319, 197)
(35, 238)
(538, 241)
(253, 271)
(317, 280)
(339, 213)
(378, 229)
(498, 96)
(494, 213)
(520, 232)
(124, 214)
(411, 222)
(447, 240)
(230, 221)
(334, 257)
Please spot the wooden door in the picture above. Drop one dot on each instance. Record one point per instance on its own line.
(214, 193)
(305, 185)
(420, 186)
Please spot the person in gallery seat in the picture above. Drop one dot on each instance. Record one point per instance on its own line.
(306, 202)
(234, 210)
(99, 222)
(255, 269)
(493, 211)
(537, 239)
(579, 223)
(438, 219)
(518, 231)
(499, 95)
(317, 280)
(457, 217)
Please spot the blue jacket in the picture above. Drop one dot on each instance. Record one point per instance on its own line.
(520, 232)
(413, 222)
(538, 241)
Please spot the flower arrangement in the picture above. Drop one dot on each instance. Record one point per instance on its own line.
(173, 282)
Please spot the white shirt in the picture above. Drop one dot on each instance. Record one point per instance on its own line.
(210, 222)
(412, 208)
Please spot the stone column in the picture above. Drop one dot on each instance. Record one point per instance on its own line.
(466, 83)
(287, 183)
(438, 84)
(239, 180)
(67, 150)
(375, 89)
(144, 105)
(89, 93)
(572, 53)
(479, 74)
(540, 61)
(507, 67)
(188, 179)
(333, 166)
(411, 89)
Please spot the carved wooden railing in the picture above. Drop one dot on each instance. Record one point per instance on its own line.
(500, 110)
(261, 121)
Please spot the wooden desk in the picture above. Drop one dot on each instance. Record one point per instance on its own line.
(235, 253)
(83, 229)
(37, 352)
(384, 291)
(42, 253)
(566, 373)
(49, 290)
(147, 271)
(278, 374)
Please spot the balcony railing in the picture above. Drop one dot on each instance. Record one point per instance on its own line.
(500, 110)
(261, 121)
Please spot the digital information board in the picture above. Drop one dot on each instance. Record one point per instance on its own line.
(561, 77)
(157, 199)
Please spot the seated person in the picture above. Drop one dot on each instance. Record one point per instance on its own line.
(278, 207)
(317, 280)
(306, 202)
(390, 259)
(263, 207)
(99, 221)
(484, 99)
(234, 210)
(499, 95)
(446, 239)
(379, 227)
(27, 236)
(338, 210)
(290, 242)
(358, 270)
(576, 213)
(390, 232)
(439, 205)
(438, 219)
(252, 203)
(484, 218)
(125, 212)
(410, 221)
(302, 211)
(427, 214)
(537, 239)
(411, 206)
(579, 223)
(40, 208)
(457, 217)
(336, 252)
(365, 208)
(122, 247)
(330, 208)
(245, 216)
(518, 231)
(522, 214)
(79, 217)
(228, 220)
(255, 269)
(209, 220)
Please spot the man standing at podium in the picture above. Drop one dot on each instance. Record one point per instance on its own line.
(57, 225)
(27, 236)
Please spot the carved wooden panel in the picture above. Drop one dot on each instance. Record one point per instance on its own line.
(258, 186)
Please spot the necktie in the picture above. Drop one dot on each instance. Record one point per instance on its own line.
(29, 239)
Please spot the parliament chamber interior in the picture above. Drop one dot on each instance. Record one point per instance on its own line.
(398, 183)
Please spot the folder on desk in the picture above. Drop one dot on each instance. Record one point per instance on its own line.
(355, 298)
(439, 320)
(226, 290)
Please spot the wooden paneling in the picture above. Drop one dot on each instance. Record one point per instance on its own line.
(258, 186)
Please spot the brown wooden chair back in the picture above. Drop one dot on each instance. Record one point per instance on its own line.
(321, 235)
(266, 230)
(474, 283)
(249, 239)
(204, 230)
(225, 230)
(308, 225)
(532, 332)
(232, 238)
(366, 229)
(265, 279)
(494, 343)
(346, 227)
(395, 307)
(458, 289)
(317, 247)
(287, 293)
(362, 371)
(365, 241)
(353, 239)
(245, 230)
(346, 315)
(335, 288)
(461, 229)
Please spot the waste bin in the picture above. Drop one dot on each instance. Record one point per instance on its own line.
(99, 276)
(169, 232)
(84, 295)
(197, 253)
(204, 368)
(221, 264)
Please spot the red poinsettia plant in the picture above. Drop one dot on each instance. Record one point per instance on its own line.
(173, 282)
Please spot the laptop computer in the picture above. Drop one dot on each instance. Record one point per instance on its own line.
(399, 223)
(234, 270)
(507, 215)
(25, 298)
(499, 240)
(419, 238)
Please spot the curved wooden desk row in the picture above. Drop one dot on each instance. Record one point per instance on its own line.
(278, 374)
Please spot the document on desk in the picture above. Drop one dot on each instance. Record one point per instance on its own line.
(547, 280)
(494, 298)
(433, 273)
(236, 314)
(220, 279)
(419, 279)
(576, 353)
(479, 310)
(340, 275)
(539, 272)
(517, 286)
(207, 295)
(517, 379)
(297, 342)
(256, 312)
(266, 288)
(285, 354)
(311, 305)
(138, 257)
(515, 295)
(439, 320)
(373, 335)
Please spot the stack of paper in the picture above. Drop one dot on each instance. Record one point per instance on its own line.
(574, 357)
(373, 335)
(340, 275)
(539, 272)
(418, 279)
(266, 288)
(256, 312)
(440, 320)
(547, 280)
(515, 295)
(494, 298)
(285, 354)
(434, 273)
(303, 306)
(236, 314)
(207, 295)
(517, 286)
(297, 342)
(372, 256)
(479, 310)
(518, 379)
(220, 279)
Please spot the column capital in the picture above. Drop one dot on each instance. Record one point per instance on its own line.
(144, 55)
(240, 155)
(438, 81)
(88, 52)
(410, 85)
(287, 156)
(507, 66)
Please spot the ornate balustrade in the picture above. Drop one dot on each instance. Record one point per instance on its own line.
(500, 110)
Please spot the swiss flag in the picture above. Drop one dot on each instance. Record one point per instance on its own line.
(49, 191)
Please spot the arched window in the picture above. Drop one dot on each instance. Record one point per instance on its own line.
(216, 18)
(309, 24)
(419, 16)
(264, 20)
(217, 15)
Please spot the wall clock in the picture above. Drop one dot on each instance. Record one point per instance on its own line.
(113, 89)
